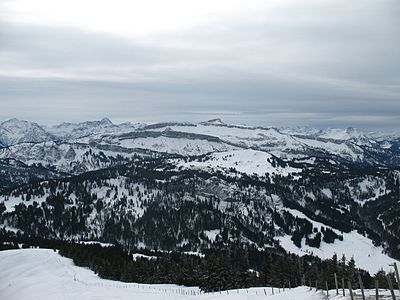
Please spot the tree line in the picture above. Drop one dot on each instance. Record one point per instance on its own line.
(239, 266)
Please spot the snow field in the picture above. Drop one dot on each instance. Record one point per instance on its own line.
(245, 161)
(272, 140)
(41, 274)
(366, 255)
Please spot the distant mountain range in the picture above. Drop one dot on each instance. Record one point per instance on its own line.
(191, 186)
(206, 137)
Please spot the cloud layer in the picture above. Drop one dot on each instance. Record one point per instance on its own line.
(317, 63)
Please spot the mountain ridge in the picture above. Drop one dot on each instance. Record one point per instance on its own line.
(194, 186)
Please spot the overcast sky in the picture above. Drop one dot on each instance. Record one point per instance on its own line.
(323, 63)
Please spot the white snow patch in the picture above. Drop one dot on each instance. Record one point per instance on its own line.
(96, 243)
(212, 234)
(327, 192)
(245, 161)
(366, 255)
(135, 256)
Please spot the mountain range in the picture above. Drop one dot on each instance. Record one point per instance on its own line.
(195, 186)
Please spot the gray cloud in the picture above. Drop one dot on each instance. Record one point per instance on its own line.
(316, 63)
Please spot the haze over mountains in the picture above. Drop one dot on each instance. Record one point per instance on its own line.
(196, 186)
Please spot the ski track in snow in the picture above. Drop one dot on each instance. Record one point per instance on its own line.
(41, 274)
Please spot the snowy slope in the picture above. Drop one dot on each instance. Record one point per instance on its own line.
(43, 274)
(111, 190)
(16, 131)
(14, 173)
(342, 134)
(366, 255)
(245, 161)
(168, 141)
(66, 131)
(66, 157)
(241, 136)
(282, 144)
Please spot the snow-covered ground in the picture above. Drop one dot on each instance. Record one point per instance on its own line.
(40, 274)
(273, 140)
(245, 160)
(173, 145)
(366, 255)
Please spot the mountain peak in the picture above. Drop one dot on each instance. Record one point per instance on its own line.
(16, 131)
(106, 121)
(14, 121)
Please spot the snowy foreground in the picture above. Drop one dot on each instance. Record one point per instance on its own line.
(40, 274)
(44, 274)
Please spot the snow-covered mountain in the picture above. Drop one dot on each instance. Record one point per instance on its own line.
(16, 131)
(246, 161)
(74, 158)
(189, 139)
(348, 144)
(303, 189)
(67, 131)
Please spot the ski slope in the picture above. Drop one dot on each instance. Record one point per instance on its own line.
(41, 274)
